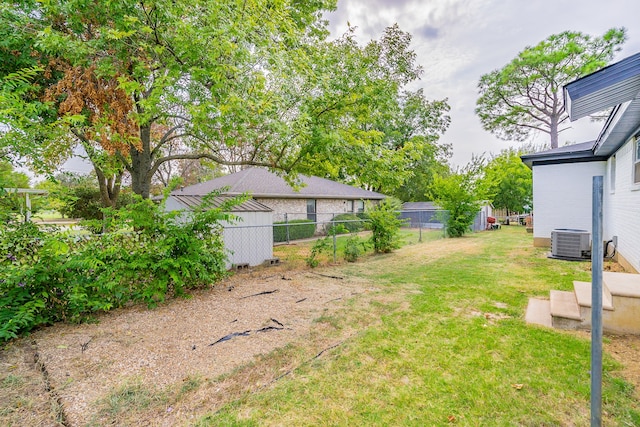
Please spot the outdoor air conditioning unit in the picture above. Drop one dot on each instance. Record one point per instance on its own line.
(569, 243)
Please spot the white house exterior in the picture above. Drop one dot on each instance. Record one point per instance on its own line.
(562, 178)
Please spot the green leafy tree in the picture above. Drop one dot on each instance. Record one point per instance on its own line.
(235, 82)
(460, 195)
(9, 178)
(385, 224)
(413, 129)
(11, 203)
(525, 96)
(392, 141)
(78, 196)
(508, 182)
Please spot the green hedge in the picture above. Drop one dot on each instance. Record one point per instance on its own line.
(298, 229)
(349, 227)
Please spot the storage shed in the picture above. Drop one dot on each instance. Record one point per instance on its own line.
(248, 240)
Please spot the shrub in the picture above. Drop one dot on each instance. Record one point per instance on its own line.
(150, 255)
(353, 248)
(337, 229)
(319, 246)
(349, 225)
(385, 224)
(298, 229)
(457, 195)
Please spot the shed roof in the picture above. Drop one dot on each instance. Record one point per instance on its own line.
(265, 184)
(191, 201)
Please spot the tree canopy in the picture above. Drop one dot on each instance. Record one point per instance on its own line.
(240, 82)
(525, 96)
(460, 194)
(508, 182)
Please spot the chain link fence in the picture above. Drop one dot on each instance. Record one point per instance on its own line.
(251, 244)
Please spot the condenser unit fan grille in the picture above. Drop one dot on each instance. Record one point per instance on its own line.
(570, 243)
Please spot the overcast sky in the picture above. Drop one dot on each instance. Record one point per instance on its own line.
(457, 41)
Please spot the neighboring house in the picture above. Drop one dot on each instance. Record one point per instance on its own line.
(316, 198)
(249, 240)
(562, 178)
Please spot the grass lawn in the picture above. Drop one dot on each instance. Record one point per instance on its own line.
(451, 347)
(295, 253)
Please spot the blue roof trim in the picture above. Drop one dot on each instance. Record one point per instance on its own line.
(603, 89)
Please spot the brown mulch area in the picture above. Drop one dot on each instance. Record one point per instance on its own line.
(186, 341)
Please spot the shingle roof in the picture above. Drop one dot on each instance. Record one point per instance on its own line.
(262, 183)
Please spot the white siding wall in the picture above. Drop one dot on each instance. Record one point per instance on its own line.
(562, 196)
(622, 207)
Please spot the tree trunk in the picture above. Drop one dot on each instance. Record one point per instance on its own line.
(141, 165)
(553, 131)
(109, 187)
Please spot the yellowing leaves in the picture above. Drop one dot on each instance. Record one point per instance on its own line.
(102, 101)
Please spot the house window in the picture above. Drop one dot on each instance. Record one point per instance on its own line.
(360, 206)
(311, 210)
(636, 162)
(349, 205)
(612, 174)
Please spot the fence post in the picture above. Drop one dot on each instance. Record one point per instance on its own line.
(420, 225)
(596, 303)
(333, 227)
(286, 221)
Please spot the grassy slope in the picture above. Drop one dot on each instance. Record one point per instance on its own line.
(460, 351)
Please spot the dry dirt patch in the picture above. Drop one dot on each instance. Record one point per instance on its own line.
(174, 343)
